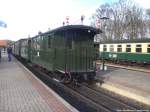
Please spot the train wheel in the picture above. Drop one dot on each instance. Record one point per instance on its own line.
(67, 78)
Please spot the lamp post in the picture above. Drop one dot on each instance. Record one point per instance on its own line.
(103, 61)
(82, 18)
(67, 20)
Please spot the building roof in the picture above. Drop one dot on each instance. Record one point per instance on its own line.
(3, 43)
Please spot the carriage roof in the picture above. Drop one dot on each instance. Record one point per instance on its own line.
(74, 27)
(144, 40)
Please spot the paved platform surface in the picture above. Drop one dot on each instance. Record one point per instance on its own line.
(133, 84)
(21, 91)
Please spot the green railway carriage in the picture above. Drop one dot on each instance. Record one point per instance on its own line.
(22, 48)
(131, 51)
(16, 48)
(68, 50)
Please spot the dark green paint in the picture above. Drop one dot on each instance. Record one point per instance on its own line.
(134, 57)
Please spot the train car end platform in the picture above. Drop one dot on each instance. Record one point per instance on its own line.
(21, 91)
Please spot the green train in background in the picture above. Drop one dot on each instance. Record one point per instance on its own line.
(68, 51)
(135, 51)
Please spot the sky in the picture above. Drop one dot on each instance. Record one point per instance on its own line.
(27, 17)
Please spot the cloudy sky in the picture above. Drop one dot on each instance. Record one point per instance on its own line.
(27, 17)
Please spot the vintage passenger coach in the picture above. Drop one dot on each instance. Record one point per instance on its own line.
(68, 50)
(127, 50)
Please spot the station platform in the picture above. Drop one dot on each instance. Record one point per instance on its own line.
(129, 83)
(21, 91)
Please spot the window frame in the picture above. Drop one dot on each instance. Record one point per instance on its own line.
(104, 48)
(148, 48)
(128, 48)
(119, 48)
(49, 41)
(111, 48)
(138, 48)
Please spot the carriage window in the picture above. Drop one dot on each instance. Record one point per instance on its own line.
(138, 48)
(38, 43)
(29, 41)
(119, 48)
(34, 43)
(49, 42)
(128, 48)
(148, 48)
(138, 45)
(111, 48)
(70, 39)
(70, 44)
(104, 48)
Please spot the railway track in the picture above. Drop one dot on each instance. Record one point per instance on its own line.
(120, 99)
(98, 100)
(84, 98)
(129, 67)
(77, 100)
(111, 104)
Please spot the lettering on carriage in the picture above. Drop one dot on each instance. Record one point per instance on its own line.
(112, 55)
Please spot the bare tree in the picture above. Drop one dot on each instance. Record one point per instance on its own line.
(127, 20)
(147, 21)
